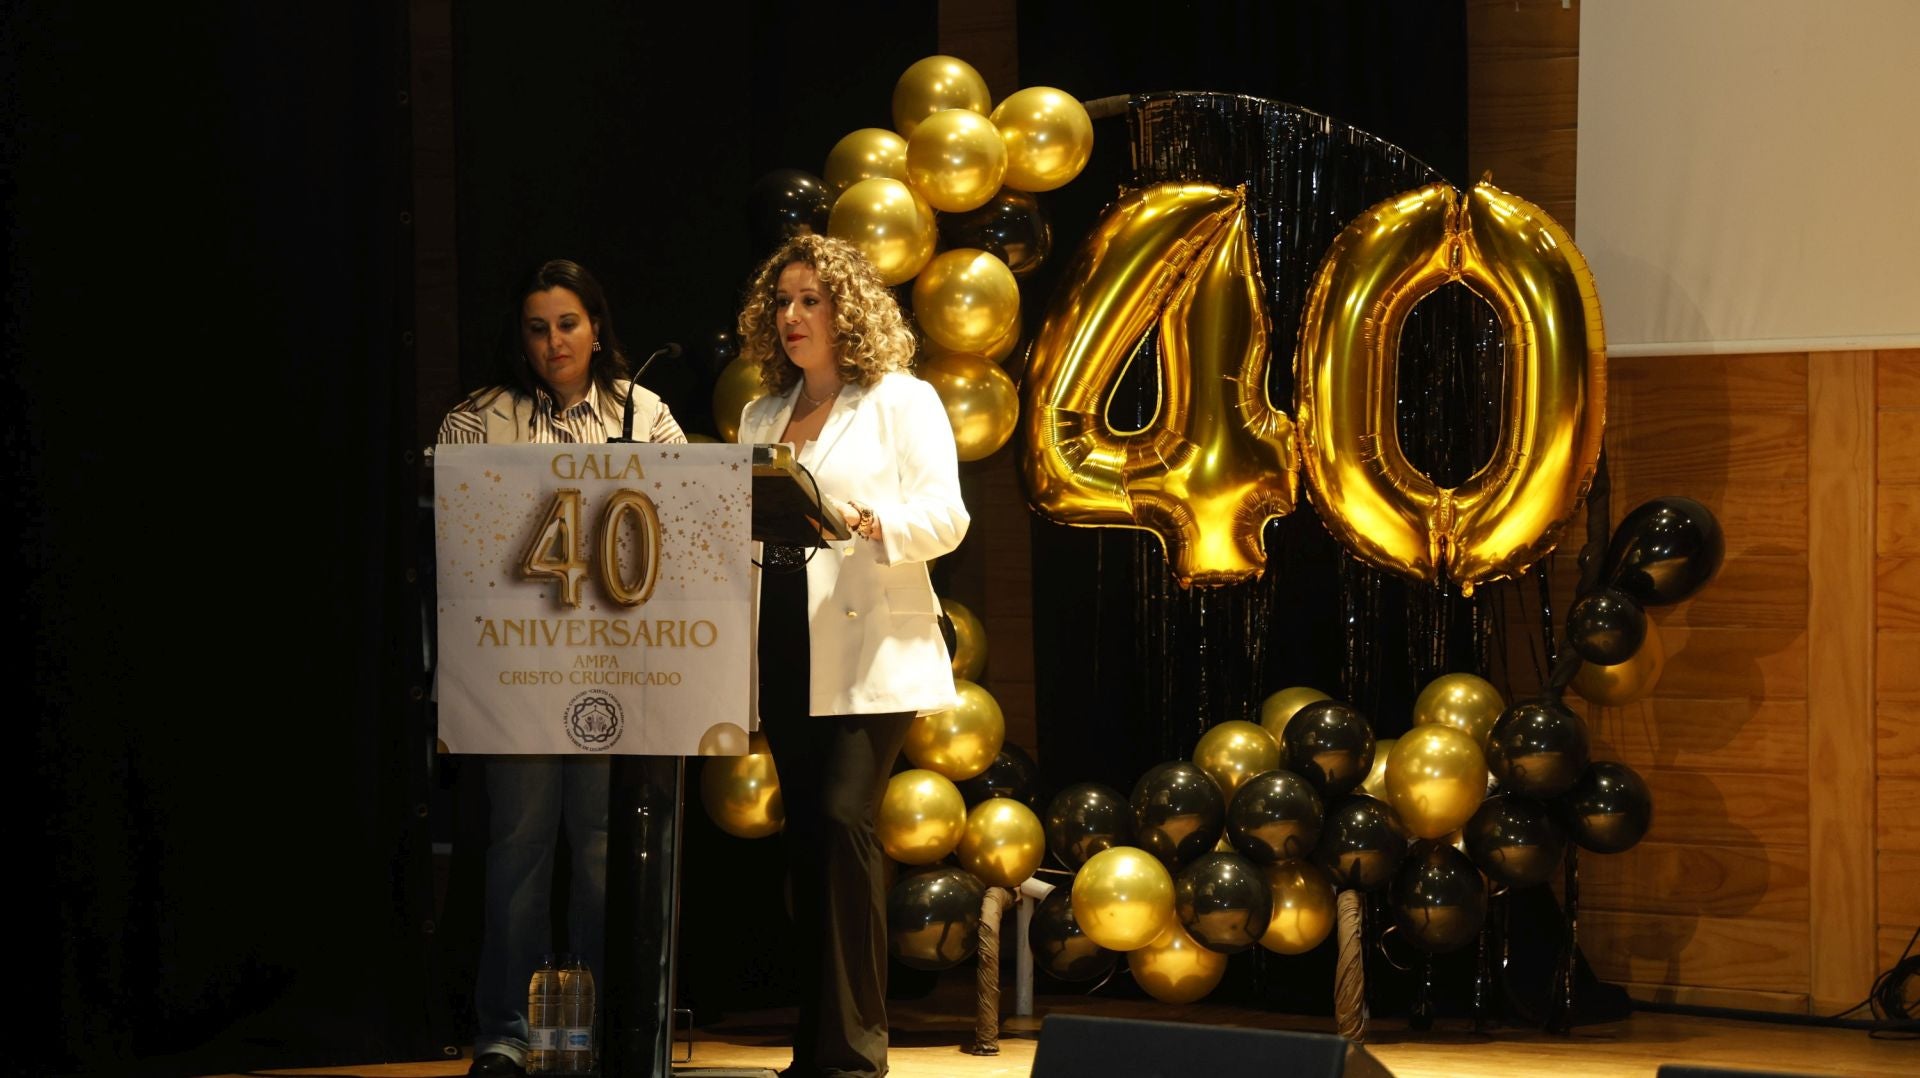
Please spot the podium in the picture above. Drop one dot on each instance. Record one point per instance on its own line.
(644, 827)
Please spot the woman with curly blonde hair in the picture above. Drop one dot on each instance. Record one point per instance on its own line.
(873, 334)
(849, 642)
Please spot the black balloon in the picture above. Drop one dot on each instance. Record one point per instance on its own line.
(787, 202)
(1223, 901)
(1607, 627)
(1360, 843)
(1330, 745)
(1515, 840)
(1084, 819)
(1060, 949)
(933, 918)
(722, 348)
(1010, 226)
(1012, 774)
(1665, 550)
(1178, 812)
(1538, 749)
(1274, 816)
(1609, 809)
(1439, 899)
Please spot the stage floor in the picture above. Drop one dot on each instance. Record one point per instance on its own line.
(928, 1035)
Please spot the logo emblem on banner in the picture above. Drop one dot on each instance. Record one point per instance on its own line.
(594, 720)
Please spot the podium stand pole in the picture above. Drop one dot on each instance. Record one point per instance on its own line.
(643, 914)
(644, 827)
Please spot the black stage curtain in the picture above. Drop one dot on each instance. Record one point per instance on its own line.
(634, 151)
(222, 865)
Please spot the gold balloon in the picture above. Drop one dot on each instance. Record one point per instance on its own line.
(1436, 778)
(1233, 752)
(742, 793)
(981, 401)
(1508, 515)
(956, 160)
(1049, 137)
(890, 224)
(1624, 683)
(1003, 842)
(703, 439)
(965, 299)
(1217, 461)
(934, 84)
(1123, 898)
(997, 352)
(1175, 968)
(738, 386)
(1278, 708)
(961, 742)
(1303, 907)
(1375, 784)
(1467, 702)
(969, 641)
(922, 817)
(864, 155)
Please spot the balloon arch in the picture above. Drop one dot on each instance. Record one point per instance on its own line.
(1152, 401)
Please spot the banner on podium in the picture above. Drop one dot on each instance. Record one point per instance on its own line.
(594, 598)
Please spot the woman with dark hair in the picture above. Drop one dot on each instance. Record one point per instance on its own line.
(562, 378)
(849, 640)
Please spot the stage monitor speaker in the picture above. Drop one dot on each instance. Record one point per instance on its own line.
(1084, 1046)
(1702, 1071)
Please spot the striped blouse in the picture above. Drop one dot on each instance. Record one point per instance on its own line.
(465, 425)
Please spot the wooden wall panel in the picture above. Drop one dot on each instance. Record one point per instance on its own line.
(1899, 441)
(1523, 83)
(1897, 682)
(1717, 662)
(1899, 887)
(1767, 956)
(1899, 741)
(1718, 899)
(1744, 735)
(1897, 529)
(1840, 631)
(1764, 882)
(1897, 607)
(1896, 669)
(1900, 809)
(1726, 808)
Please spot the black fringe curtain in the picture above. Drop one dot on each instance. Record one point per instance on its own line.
(1322, 109)
(1181, 660)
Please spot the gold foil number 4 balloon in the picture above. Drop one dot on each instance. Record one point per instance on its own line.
(1217, 460)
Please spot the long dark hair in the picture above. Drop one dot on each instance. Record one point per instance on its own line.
(607, 367)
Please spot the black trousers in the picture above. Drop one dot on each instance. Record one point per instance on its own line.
(833, 771)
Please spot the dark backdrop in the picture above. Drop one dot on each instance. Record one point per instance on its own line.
(211, 433)
(220, 862)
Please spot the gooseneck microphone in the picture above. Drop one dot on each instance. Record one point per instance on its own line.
(670, 350)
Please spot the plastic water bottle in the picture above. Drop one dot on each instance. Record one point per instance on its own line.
(576, 1016)
(543, 1017)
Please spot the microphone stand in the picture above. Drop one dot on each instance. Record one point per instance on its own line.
(671, 350)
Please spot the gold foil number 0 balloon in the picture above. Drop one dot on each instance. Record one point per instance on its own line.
(1508, 515)
(1217, 460)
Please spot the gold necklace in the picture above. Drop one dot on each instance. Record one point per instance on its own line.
(822, 400)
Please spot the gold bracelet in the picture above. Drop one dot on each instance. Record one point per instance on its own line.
(864, 526)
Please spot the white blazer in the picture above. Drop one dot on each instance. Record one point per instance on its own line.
(874, 631)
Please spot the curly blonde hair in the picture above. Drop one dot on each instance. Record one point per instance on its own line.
(870, 335)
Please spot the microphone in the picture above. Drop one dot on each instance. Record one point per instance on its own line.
(671, 350)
